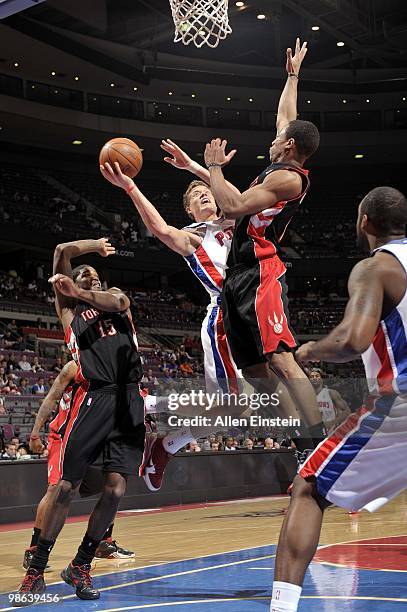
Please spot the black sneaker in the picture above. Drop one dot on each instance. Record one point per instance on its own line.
(109, 549)
(78, 576)
(32, 584)
(28, 557)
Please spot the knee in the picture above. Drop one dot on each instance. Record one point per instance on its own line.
(115, 488)
(307, 489)
(64, 492)
(285, 365)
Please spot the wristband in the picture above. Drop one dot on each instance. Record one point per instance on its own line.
(130, 189)
(213, 165)
(34, 437)
(290, 74)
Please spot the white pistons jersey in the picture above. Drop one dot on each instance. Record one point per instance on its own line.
(208, 262)
(385, 360)
(326, 406)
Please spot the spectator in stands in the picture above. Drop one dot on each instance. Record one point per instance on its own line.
(193, 447)
(2, 407)
(215, 446)
(8, 340)
(39, 388)
(20, 344)
(24, 364)
(57, 367)
(287, 442)
(12, 326)
(22, 453)
(270, 444)
(24, 387)
(36, 366)
(16, 441)
(11, 362)
(206, 445)
(10, 452)
(150, 379)
(50, 382)
(3, 377)
(248, 444)
(230, 444)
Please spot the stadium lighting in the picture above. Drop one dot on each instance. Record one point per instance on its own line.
(16, 64)
(135, 88)
(76, 78)
(344, 101)
(77, 142)
(228, 99)
(367, 100)
(170, 93)
(261, 16)
(359, 156)
(308, 101)
(193, 95)
(239, 4)
(340, 43)
(261, 157)
(250, 99)
(315, 28)
(53, 73)
(404, 99)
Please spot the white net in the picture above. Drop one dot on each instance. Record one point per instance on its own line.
(203, 22)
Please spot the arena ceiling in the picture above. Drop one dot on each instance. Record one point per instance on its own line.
(374, 33)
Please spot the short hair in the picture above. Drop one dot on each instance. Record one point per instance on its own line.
(386, 209)
(76, 271)
(306, 136)
(191, 186)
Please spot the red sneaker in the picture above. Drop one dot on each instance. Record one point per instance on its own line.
(155, 460)
(32, 584)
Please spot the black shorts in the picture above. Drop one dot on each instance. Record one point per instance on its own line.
(255, 312)
(108, 422)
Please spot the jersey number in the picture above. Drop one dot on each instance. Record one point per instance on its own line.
(106, 328)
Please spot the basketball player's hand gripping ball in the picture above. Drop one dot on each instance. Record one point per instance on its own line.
(114, 175)
(215, 153)
(294, 62)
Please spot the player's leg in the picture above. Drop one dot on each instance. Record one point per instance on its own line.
(38, 522)
(91, 420)
(297, 544)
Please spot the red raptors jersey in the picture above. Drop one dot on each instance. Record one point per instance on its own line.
(258, 236)
(104, 345)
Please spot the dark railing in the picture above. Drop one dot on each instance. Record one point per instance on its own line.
(146, 110)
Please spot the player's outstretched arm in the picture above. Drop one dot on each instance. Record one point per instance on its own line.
(112, 300)
(180, 241)
(356, 331)
(179, 159)
(64, 378)
(287, 106)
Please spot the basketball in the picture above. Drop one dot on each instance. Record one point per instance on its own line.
(125, 152)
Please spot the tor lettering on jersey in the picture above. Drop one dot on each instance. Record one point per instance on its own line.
(88, 315)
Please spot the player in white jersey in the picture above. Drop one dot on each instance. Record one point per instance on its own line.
(330, 402)
(361, 465)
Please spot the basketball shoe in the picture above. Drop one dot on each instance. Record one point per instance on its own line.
(32, 584)
(155, 460)
(109, 549)
(78, 576)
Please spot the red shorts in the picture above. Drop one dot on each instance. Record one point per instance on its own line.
(255, 312)
(54, 458)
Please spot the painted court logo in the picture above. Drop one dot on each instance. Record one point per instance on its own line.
(277, 324)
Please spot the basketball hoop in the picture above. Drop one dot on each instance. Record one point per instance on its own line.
(203, 22)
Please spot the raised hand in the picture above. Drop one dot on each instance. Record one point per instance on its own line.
(294, 62)
(215, 152)
(114, 175)
(104, 247)
(179, 158)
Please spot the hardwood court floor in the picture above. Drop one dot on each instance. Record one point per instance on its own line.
(168, 536)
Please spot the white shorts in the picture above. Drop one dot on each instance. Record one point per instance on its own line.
(363, 463)
(220, 369)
